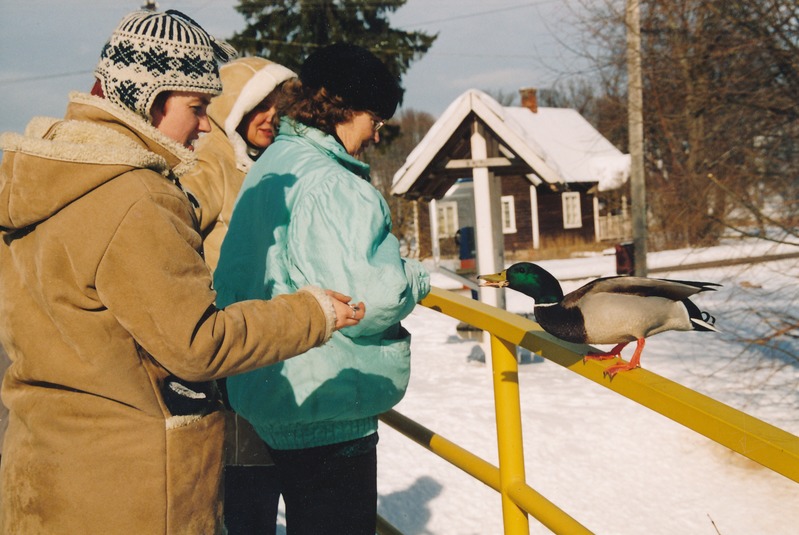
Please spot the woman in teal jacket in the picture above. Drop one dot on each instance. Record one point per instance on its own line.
(307, 214)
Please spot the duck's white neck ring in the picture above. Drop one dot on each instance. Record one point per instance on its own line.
(544, 305)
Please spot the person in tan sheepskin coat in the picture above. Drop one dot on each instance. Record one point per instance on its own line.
(108, 310)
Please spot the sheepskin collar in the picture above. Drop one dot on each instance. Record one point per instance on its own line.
(56, 161)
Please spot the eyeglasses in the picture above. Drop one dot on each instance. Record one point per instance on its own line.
(377, 125)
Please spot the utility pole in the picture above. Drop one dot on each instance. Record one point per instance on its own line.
(635, 105)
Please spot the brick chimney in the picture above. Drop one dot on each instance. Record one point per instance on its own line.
(529, 96)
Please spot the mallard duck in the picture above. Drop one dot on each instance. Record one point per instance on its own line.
(608, 310)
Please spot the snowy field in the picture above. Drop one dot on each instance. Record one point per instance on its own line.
(617, 467)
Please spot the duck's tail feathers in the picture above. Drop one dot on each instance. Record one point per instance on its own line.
(705, 323)
(701, 321)
(700, 286)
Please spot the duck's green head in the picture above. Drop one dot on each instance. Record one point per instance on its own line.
(529, 279)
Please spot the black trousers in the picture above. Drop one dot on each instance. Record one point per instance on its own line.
(252, 494)
(330, 489)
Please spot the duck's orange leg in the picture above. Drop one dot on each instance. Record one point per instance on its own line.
(635, 362)
(605, 355)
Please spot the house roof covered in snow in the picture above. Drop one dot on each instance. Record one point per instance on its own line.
(553, 145)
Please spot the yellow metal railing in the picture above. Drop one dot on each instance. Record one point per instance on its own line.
(768, 445)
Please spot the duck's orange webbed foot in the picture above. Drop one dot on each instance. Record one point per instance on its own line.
(605, 355)
(610, 371)
(635, 362)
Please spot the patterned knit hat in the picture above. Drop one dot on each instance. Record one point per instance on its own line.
(150, 52)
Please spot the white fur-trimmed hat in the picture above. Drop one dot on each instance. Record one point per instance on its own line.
(247, 82)
(150, 52)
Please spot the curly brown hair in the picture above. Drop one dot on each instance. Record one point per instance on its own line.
(315, 108)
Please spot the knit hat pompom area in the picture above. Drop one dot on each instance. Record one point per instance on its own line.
(355, 75)
(151, 52)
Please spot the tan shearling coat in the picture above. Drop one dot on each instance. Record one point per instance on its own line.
(103, 294)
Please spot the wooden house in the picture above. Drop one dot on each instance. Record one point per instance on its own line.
(542, 178)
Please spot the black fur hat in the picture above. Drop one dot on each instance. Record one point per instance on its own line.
(355, 75)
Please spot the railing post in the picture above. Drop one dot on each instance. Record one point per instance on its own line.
(510, 447)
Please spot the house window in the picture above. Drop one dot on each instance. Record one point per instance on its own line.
(508, 214)
(447, 219)
(572, 213)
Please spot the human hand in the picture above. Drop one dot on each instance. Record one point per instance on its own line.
(347, 314)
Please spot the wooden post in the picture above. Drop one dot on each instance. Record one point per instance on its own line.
(636, 125)
(534, 217)
(434, 232)
(415, 249)
(489, 240)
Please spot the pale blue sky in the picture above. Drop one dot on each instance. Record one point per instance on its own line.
(50, 47)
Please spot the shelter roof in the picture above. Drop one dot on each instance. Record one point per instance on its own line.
(557, 146)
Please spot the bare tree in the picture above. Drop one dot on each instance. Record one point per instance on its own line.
(398, 138)
(720, 97)
(721, 115)
(770, 30)
(504, 98)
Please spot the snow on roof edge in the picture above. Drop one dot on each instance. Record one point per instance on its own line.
(611, 170)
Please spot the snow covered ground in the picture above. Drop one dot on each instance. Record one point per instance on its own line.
(615, 466)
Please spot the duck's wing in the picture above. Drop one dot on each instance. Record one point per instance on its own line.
(675, 290)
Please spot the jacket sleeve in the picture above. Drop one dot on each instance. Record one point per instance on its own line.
(158, 287)
(340, 237)
(418, 277)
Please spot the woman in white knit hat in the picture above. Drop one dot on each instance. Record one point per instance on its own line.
(108, 311)
(243, 124)
(241, 121)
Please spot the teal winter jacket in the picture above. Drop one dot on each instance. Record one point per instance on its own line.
(307, 215)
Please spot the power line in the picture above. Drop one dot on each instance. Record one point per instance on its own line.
(11, 81)
(384, 50)
(481, 13)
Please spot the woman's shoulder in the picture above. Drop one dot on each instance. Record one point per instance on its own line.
(145, 186)
(307, 161)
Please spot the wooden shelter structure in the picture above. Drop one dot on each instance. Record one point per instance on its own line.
(517, 159)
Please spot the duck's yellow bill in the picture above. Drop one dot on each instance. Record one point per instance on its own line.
(497, 280)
